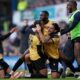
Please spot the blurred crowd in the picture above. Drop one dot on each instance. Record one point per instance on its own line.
(39, 3)
(30, 4)
(17, 43)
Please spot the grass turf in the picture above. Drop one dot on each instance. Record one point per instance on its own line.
(68, 78)
(49, 78)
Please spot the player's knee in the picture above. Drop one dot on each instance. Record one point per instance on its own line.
(55, 75)
(38, 75)
(43, 72)
(27, 59)
(1, 73)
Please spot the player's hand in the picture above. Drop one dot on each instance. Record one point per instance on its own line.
(16, 75)
(38, 28)
(13, 30)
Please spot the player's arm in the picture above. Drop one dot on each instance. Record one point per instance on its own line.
(41, 36)
(23, 29)
(3, 37)
(73, 25)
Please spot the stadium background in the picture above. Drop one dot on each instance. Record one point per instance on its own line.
(12, 12)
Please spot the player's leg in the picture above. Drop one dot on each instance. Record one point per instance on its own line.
(3, 65)
(77, 52)
(62, 56)
(54, 68)
(67, 51)
(67, 54)
(69, 63)
(19, 62)
(30, 66)
(40, 66)
(16, 66)
(2, 74)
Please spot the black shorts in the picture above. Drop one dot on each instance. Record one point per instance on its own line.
(1, 68)
(3, 65)
(53, 63)
(39, 64)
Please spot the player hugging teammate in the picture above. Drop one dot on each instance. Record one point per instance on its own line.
(44, 45)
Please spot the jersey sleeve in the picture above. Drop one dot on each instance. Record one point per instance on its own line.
(3, 37)
(73, 25)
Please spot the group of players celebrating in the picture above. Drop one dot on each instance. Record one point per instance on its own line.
(44, 45)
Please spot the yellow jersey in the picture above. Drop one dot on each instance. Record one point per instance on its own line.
(33, 47)
(51, 49)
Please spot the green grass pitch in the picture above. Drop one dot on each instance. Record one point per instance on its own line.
(68, 78)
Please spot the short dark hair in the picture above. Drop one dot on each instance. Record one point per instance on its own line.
(46, 12)
(74, 2)
(56, 26)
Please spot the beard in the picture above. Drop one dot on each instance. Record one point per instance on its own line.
(69, 11)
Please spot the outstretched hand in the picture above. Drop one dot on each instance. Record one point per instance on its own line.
(13, 30)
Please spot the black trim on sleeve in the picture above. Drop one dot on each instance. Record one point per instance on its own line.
(73, 25)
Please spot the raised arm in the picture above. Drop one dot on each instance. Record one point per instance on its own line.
(41, 36)
(73, 25)
(3, 37)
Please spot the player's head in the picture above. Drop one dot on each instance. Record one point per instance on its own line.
(25, 21)
(54, 28)
(71, 6)
(44, 15)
